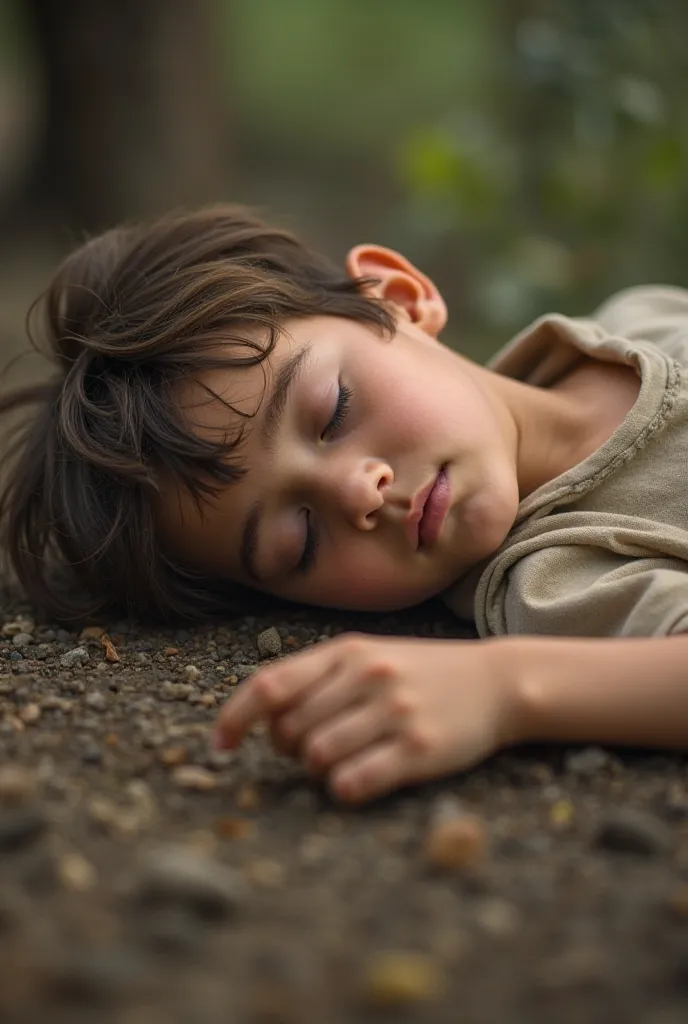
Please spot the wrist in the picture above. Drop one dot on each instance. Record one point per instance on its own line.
(516, 670)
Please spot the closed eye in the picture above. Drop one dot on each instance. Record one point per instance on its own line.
(310, 549)
(340, 412)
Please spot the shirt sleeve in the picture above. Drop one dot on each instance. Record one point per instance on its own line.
(552, 592)
(587, 574)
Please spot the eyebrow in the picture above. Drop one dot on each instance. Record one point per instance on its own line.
(287, 376)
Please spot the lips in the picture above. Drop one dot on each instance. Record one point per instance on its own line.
(430, 506)
(434, 511)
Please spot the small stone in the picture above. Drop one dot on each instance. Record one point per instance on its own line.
(175, 874)
(30, 714)
(242, 671)
(247, 797)
(192, 673)
(633, 831)
(17, 785)
(75, 872)
(561, 813)
(589, 761)
(173, 756)
(95, 700)
(119, 823)
(266, 873)
(497, 916)
(170, 651)
(175, 691)
(394, 979)
(77, 656)
(20, 828)
(269, 643)
(234, 828)
(22, 639)
(314, 849)
(191, 776)
(456, 843)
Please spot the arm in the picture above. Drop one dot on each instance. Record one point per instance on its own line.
(628, 691)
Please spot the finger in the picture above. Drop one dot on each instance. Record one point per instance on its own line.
(347, 734)
(372, 773)
(321, 704)
(272, 689)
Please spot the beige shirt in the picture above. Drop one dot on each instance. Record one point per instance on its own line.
(601, 550)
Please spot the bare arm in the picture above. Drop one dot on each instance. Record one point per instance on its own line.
(627, 691)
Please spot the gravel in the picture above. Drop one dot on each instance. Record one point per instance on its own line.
(146, 878)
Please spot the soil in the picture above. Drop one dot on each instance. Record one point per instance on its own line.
(144, 878)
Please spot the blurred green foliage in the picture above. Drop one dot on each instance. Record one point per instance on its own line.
(527, 154)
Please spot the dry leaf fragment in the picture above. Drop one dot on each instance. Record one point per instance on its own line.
(110, 652)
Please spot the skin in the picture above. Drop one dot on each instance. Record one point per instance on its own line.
(373, 713)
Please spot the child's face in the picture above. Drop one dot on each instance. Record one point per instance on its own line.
(368, 423)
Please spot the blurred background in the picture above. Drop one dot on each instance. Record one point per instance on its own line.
(527, 155)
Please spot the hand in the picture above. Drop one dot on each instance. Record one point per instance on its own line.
(374, 713)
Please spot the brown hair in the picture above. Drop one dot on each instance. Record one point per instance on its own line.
(126, 316)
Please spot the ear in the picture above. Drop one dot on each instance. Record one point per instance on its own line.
(399, 283)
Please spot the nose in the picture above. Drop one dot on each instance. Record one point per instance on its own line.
(357, 488)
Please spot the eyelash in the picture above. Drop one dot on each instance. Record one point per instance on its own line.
(308, 557)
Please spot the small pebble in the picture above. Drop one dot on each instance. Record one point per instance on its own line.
(589, 761)
(269, 643)
(497, 916)
(267, 873)
(175, 874)
(395, 979)
(242, 671)
(175, 691)
(633, 831)
(30, 714)
(77, 656)
(314, 849)
(192, 776)
(456, 843)
(247, 797)
(76, 873)
(22, 639)
(234, 828)
(17, 785)
(561, 813)
(95, 700)
(173, 756)
(192, 673)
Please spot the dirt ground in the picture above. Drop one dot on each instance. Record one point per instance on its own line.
(145, 879)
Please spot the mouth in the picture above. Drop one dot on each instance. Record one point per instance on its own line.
(430, 507)
(434, 511)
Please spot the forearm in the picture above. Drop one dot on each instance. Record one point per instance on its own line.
(630, 691)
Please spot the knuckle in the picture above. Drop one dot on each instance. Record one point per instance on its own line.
(383, 669)
(420, 738)
(353, 643)
(401, 703)
(269, 686)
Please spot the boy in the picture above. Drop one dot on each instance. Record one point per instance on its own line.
(232, 414)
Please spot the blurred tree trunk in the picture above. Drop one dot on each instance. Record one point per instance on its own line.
(134, 120)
